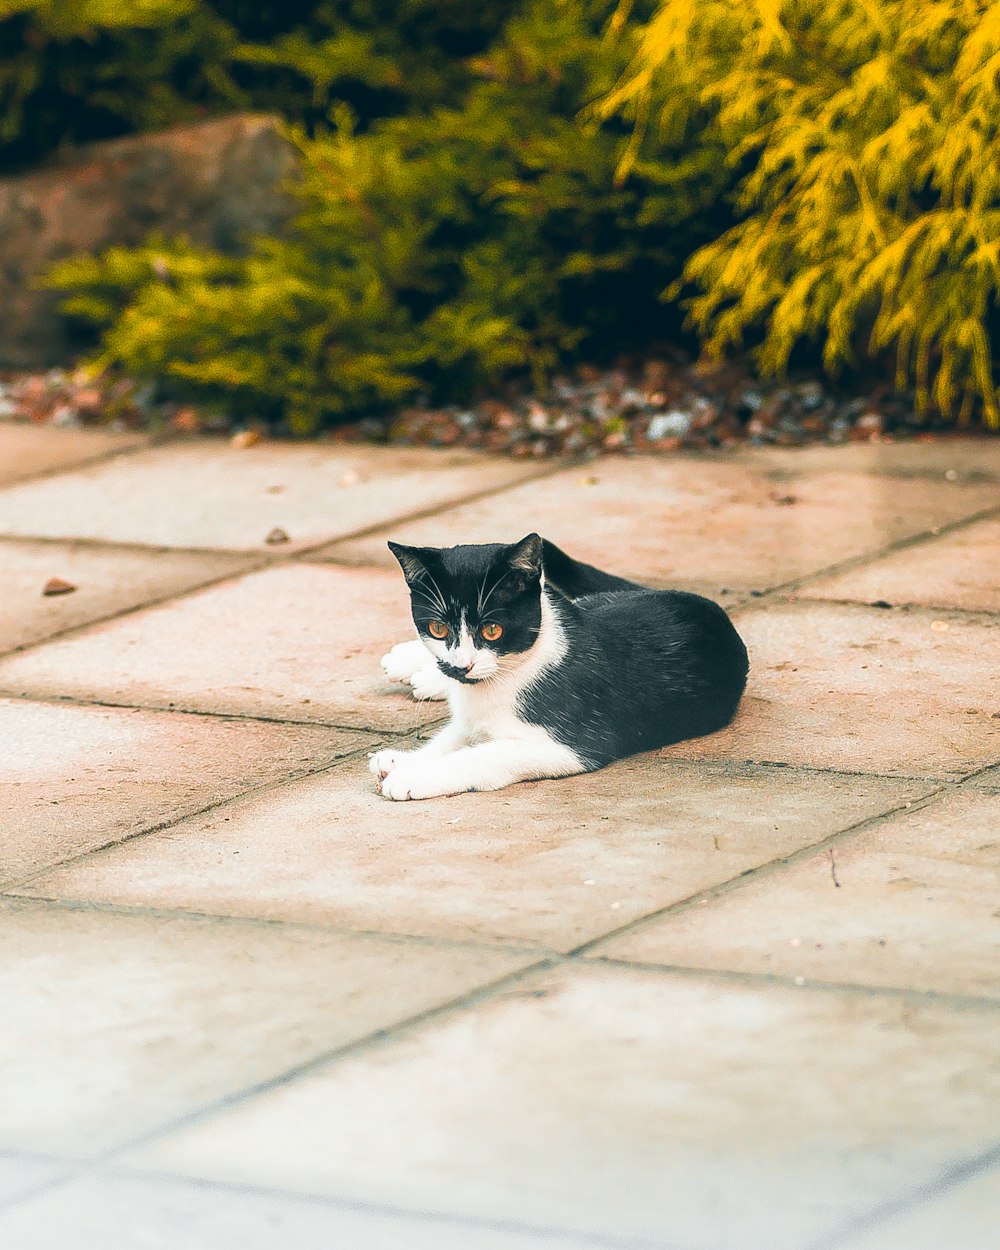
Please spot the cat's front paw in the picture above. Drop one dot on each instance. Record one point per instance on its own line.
(415, 782)
(429, 683)
(404, 660)
(383, 762)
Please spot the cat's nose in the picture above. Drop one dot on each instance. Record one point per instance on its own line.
(470, 666)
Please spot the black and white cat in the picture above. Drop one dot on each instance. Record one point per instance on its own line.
(550, 667)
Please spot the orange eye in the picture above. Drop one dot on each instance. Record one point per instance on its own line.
(437, 629)
(491, 632)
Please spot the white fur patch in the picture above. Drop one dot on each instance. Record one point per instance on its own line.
(487, 745)
(404, 660)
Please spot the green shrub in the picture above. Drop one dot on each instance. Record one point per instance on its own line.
(869, 136)
(434, 253)
(78, 70)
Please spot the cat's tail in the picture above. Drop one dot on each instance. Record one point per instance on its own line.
(575, 579)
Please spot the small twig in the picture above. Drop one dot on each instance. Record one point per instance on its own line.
(833, 866)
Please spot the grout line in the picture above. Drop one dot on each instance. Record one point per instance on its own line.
(251, 560)
(432, 510)
(556, 1235)
(851, 563)
(139, 911)
(762, 871)
(243, 717)
(177, 818)
(146, 443)
(920, 1195)
(750, 979)
(154, 601)
(985, 616)
(373, 1040)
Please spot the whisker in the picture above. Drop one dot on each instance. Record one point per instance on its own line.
(483, 603)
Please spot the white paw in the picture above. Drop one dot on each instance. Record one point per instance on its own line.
(404, 659)
(408, 783)
(383, 762)
(429, 683)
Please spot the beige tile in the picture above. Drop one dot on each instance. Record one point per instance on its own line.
(632, 1103)
(931, 459)
(116, 1211)
(107, 580)
(26, 450)
(115, 1023)
(557, 862)
(73, 778)
(20, 1175)
(233, 498)
(964, 1216)
(959, 570)
(698, 521)
(298, 641)
(918, 907)
(857, 688)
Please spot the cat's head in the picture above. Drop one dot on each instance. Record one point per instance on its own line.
(477, 608)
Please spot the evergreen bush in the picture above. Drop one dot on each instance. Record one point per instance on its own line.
(78, 70)
(435, 252)
(867, 133)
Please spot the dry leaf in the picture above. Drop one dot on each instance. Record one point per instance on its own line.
(56, 586)
(245, 438)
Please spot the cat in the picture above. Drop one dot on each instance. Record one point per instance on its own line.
(550, 667)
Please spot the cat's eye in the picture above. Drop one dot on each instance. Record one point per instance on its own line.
(491, 632)
(437, 629)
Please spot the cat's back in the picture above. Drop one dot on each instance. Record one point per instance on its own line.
(639, 669)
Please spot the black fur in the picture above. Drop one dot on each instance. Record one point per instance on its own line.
(643, 668)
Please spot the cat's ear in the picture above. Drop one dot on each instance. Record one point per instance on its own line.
(525, 557)
(411, 561)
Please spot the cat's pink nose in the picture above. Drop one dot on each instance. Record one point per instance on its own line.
(470, 666)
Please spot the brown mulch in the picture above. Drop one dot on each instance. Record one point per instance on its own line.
(654, 405)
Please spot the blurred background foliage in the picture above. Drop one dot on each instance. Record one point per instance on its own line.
(515, 184)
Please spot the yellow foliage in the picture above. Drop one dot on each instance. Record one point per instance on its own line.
(867, 135)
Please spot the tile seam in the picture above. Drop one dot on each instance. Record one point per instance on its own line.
(761, 872)
(169, 822)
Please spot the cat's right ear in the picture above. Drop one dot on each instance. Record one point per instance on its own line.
(410, 561)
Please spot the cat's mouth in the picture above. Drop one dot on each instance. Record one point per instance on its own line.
(459, 674)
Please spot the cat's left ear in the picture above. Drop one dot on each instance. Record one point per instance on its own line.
(411, 561)
(526, 556)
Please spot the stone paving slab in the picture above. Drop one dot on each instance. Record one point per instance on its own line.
(631, 1103)
(957, 570)
(27, 450)
(116, 1211)
(233, 498)
(19, 1176)
(297, 642)
(917, 907)
(169, 1014)
(73, 778)
(936, 458)
(965, 1217)
(108, 580)
(706, 523)
(909, 693)
(555, 862)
